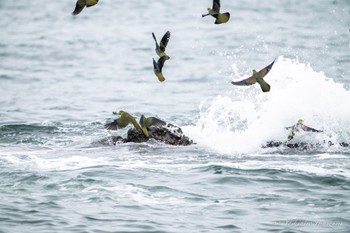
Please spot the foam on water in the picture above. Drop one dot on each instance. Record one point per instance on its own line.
(241, 121)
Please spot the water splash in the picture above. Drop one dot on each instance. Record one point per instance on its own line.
(244, 120)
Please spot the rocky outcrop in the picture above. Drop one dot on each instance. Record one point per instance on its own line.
(302, 145)
(168, 134)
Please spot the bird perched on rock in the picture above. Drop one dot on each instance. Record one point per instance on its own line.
(151, 121)
(160, 48)
(124, 120)
(215, 12)
(83, 3)
(300, 126)
(257, 77)
(158, 66)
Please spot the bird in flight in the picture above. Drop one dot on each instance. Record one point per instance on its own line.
(158, 66)
(215, 12)
(257, 77)
(160, 48)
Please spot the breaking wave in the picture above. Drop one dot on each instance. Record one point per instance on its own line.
(245, 119)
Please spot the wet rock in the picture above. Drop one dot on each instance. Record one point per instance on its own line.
(168, 134)
(302, 145)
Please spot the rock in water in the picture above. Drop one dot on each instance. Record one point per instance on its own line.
(302, 145)
(168, 134)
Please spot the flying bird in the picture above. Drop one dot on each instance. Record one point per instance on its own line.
(124, 120)
(83, 3)
(257, 77)
(215, 12)
(160, 48)
(158, 66)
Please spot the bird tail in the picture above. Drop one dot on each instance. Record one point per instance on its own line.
(265, 87)
(160, 76)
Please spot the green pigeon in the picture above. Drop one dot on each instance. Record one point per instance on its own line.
(300, 126)
(215, 12)
(158, 66)
(83, 3)
(160, 48)
(124, 120)
(257, 77)
(150, 121)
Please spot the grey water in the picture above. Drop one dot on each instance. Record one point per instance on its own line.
(62, 76)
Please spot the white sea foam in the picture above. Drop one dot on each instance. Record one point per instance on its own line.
(244, 120)
(44, 162)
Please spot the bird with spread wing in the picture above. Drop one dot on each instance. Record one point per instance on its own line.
(124, 120)
(215, 12)
(257, 77)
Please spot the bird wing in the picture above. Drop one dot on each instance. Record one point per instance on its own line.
(91, 2)
(263, 72)
(118, 123)
(245, 82)
(155, 39)
(79, 6)
(216, 6)
(164, 41)
(309, 129)
(153, 121)
(115, 125)
(142, 121)
(112, 126)
(155, 66)
(160, 62)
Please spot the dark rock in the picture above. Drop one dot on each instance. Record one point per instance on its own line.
(301, 145)
(168, 134)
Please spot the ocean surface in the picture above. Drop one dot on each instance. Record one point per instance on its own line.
(62, 76)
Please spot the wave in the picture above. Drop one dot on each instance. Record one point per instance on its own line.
(245, 119)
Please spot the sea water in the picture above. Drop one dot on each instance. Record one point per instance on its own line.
(61, 77)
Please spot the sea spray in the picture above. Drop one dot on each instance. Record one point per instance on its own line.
(244, 120)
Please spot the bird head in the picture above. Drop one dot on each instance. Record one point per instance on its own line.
(256, 74)
(121, 112)
(209, 9)
(300, 122)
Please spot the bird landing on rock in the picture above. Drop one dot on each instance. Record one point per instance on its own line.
(124, 120)
(298, 127)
